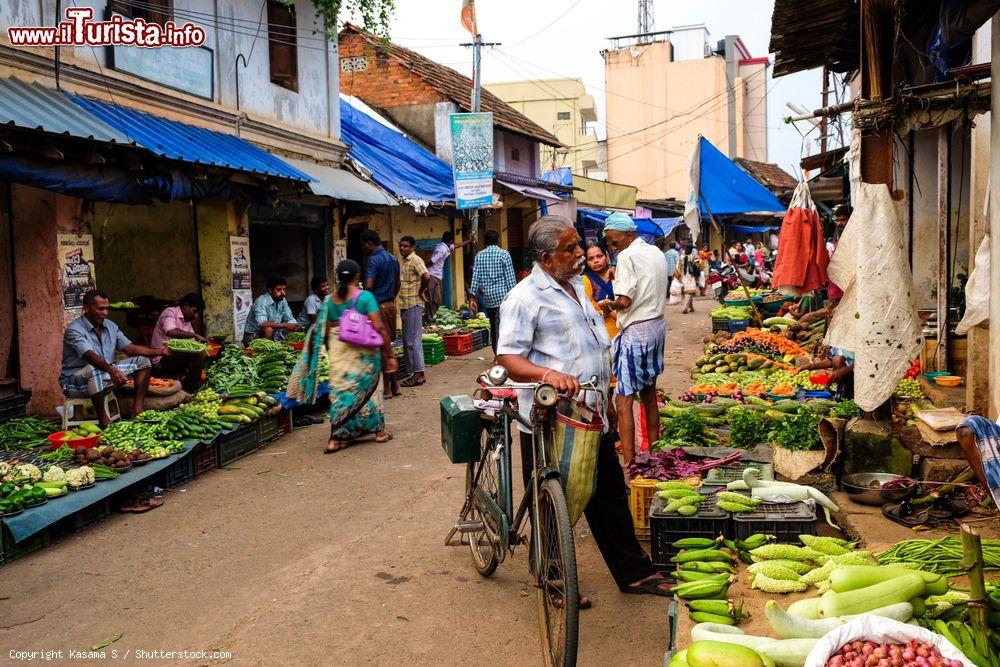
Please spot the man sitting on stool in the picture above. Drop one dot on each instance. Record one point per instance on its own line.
(88, 364)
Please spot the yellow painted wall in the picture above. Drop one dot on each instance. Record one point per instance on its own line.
(542, 101)
(603, 193)
(217, 221)
(649, 144)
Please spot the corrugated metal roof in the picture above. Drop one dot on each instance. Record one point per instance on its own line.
(341, 184)
(180, 141)
(32, 106)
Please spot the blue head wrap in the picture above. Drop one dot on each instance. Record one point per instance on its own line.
(619, 222)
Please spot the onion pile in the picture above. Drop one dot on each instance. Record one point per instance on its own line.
(872, 654)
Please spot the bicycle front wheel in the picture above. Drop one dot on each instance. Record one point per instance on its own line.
(558, 587)
(484, 545)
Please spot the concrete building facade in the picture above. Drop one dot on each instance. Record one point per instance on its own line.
(563, 107)
(663, 94)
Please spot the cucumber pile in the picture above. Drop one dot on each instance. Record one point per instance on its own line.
(273, 369)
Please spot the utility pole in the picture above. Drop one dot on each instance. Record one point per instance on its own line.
(477, 67)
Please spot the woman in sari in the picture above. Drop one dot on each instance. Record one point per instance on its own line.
(355, 371)
(597, 279)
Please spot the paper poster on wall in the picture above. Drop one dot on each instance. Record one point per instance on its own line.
(76, 268)
(242, 301)
(472, 159)
(239, 253)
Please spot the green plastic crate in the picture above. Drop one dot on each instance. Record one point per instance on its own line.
(461, 429)
(433, 353)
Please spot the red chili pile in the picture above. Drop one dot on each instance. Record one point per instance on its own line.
(873, 654)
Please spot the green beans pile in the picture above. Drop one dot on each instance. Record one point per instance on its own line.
(940, 556)
(185, 345)
(25, 433)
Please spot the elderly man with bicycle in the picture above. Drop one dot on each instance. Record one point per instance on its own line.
(549, 332)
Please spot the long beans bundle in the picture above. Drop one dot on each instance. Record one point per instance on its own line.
(232, 368)
(25, 433)
(940, 556)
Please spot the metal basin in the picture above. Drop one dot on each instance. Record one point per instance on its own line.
(859, 487)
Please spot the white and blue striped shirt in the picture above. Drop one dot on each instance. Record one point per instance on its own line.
(541, 322)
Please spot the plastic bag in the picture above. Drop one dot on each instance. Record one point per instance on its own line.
(676, 290)
(977, 291)
(877, 629)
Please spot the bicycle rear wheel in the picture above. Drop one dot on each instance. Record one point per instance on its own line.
(484, 545)
(558, 588)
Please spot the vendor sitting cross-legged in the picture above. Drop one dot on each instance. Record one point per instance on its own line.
(179, 322)
(88, 365)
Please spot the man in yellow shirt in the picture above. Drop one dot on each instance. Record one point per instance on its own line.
(413, 283)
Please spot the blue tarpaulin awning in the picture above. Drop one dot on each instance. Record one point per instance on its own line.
(189, 143)
(752, 229)
(725, 188)
(396, 163)
(648, 228)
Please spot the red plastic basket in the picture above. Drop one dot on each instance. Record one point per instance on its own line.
(457, 344)
(56, 441)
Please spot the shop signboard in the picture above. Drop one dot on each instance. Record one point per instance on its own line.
(239, 253)
(76, 268)
(472, 159)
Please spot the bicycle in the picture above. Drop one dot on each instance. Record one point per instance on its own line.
(494, 528)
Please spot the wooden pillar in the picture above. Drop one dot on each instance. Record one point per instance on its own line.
(977, 377)
(876, 83)
(994, 230)
(944, 227)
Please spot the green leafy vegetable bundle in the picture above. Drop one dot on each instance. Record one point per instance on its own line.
(748, 428)
(797, 433)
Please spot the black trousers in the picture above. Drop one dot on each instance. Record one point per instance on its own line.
(185, 367)
(494, 315)
(607, 514)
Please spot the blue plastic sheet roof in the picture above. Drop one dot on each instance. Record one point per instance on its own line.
(648, 228)
(398, 164)
(180, 141)
(725, 188)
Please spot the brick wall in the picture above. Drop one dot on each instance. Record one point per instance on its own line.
(386, 82)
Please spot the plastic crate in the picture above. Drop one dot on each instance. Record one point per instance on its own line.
(177, 473)
(13, 406)
(237, 444)
(457, 344)
(738, 325)
(433, 353)
(10, 550)
(272, 427)
(665, 529)
(720, 324)
(784, 521)
(83, 518)
(641, 494)
(480, 338)
(205, 458)
(726, 474)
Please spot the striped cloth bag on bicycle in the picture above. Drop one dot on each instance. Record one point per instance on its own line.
(575, 443)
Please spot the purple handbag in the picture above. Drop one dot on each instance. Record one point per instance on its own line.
(357, 329)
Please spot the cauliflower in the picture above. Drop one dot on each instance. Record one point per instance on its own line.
(6, 473)
(54, 474)
(88, 474)
(77, 477)
(29, 472)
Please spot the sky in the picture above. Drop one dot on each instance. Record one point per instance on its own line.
(543, 39)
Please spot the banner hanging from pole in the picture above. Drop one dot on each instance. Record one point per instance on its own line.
(472, 159)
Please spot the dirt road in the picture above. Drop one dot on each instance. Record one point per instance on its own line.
(292, 557)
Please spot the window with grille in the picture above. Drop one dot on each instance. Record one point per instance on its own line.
(150, 11)
(563, 115)
(281, 47)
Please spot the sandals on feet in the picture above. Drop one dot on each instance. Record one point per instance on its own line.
(649, 586)
(341, 444)
(410, 382)
(384, 436)
(140, 505)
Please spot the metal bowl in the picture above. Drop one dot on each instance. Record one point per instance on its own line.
(858, 488)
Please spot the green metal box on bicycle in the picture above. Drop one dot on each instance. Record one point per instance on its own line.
(489, 522)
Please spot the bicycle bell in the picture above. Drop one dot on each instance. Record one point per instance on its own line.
(497, 375)
(546, 395)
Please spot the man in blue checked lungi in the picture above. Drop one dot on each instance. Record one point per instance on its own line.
(640, 294)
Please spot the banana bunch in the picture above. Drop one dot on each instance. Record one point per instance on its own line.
(724, 612)
(705, 571)
(973, 640)
(709, 589)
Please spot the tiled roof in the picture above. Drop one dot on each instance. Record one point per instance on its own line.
(458, 88)
(771, 176)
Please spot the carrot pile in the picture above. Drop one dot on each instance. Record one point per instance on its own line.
(777, 341)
